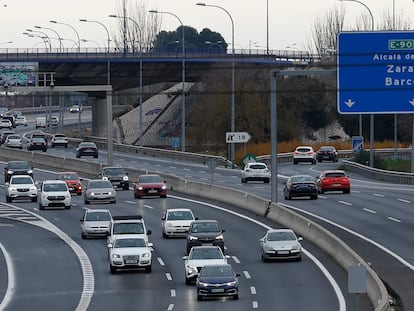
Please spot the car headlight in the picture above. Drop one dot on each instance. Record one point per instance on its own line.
(169, 225)
(105, 178)
(146, 255)
(111, 193)
(202, 284)
(233, 283)
(10, 172)
(125, 178)
(140, 188)
(12, 189)
(33, 189)
(116, 256)
(164, 187)
(192, 238)
(191, 270)
(220, 237)
(296, 247)
(67, 196)
(29, 172)
(92, 193)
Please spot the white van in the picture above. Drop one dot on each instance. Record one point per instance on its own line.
(41, 122)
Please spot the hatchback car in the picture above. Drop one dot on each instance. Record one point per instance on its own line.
(200, 256)
(59, 140)
(99, 190)
(54, 193)
(96, 223)
(21, 120)
(4, 135)
(21, 187)
(75, 108)
(117, 176)
(11, 118)
(280, 244)
(72, 180)
(176, 222)
(217, 281)
(37, 143)
(14, 141)
(333, 180)
(205, 232)
(327, 153)
(150, 185)
(255, 172)
(304, 154)
(4, 123)
(87, 148)
(300, 186)
(17, 168)
(130, 252)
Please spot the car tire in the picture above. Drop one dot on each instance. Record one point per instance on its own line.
(113, 201)
(295, 162)
(34, 199)
(95, 156)
(199, 297)
(126, 187)
(163, 196)
(267, 180)
(67, 207)
(41, 207)
(164, 235)
(243, 180)
(148, 269)
(112, 268)
(87, 202)
(235, 297)
(346, 191)
(66, 145)
(8, 199)
(313, 162)
(84, 236)
(78, 156)
(187, 281)
(264, 258)
(314, 197)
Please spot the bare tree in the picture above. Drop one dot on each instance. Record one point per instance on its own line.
(397, 22)
(137, 28)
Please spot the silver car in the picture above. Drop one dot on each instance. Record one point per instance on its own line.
(280, 244)
(176, 222)
(255, 171)
(21, 187)
(99, 190)
(96, 222)
(200, 256)
(14, 141)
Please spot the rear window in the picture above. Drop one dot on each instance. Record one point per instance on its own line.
(333, 175)
(257, 166)
(303, 149)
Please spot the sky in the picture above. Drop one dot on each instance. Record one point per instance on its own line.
(290, 22)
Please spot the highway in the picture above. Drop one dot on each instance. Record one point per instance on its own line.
(363, 219)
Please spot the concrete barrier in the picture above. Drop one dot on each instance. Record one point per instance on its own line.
(310, 230)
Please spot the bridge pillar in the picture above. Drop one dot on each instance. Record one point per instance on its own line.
(99, 118)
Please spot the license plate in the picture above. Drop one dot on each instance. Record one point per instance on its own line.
(217, 290)
(207, 244)
(152, 191)
(336, 185)
(130, 261)
(283, 252)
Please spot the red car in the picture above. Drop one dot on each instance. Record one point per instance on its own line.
(333, 180)
(72, 180)
(150, 185)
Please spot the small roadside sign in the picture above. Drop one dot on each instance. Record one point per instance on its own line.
(357, 143)
(237, 137)
(175, 142)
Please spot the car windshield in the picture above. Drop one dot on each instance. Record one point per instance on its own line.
(98, 216)
(133, 242)
(128, 228)
(281, 236)
(150, 179)
(214, 271)
(205, 253)
(54, 187)
(113, 171)
(13, 137)
(327, 149)
(68, 176)
(21, 181)
(335, 175)
(99, 184)
(298, 179)
(180, 215)
(19, 165)
(205, 227)
(87, 145)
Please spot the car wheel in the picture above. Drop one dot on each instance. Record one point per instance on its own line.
(314, 197)
(87, 202)
(95, 156)
(235, 297)
(346, 191)
(199, 297)
(67, 207)
(34, 199)
(187, 281)
(66, 145)
(113, 269)
(53, 146)
(41, 207)
(313, 161)
(8, 199)
(164, 235)
(84, 236)
(148, 269)
(163, 196)
(126, 187)
(78, 156)
(113, 201)
(264, 258)
(295, 162)
(267, 180)
(243, 180)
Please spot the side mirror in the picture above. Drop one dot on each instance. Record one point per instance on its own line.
(150, 244)
(81, 220)
(149, 232)
(163, 218)
(185, 257)
(110, 245)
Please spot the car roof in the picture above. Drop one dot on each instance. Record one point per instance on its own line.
(299, 147)
(129, 236)
(178, 210)
(333, 171)
(54, 181)
(280, 230)
(99, 210)
(204, 221)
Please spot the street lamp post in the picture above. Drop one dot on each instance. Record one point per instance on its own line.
(232, 147)
(73, 28)
(106, 29)
(141, 129)
(183, 118)
(33, 35)
(371, 154)
(45, 36)
(59, 38)
(93, 41)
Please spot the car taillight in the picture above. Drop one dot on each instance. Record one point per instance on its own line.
(320, 152)
(309, 153)
(297, 152)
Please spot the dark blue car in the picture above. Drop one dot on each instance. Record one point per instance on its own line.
(217, 281)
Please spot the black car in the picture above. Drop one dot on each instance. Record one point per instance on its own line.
(87, 148)
(37, 143)
(301, 186)
(217, 281)
(17, 168)
(327, 153)
(205, 232)
(117, 176)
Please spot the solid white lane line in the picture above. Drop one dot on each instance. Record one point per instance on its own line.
(168, 276)
(345, 203)
(148, 206)
(247, 275)
(404, 201)
(394, 219)
(369, 210)
(10, 279)
(170, 307)
(173, 293)
(255, 305)
(378, 195)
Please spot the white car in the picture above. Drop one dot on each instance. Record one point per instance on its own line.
(54, 193)
(130, 252)
(21, 187)
(281, 244)
(21, 120)
(59, 140)
(176, 222)
(255, 171)
(304, 154)
(200, 256)
(14, 141)
(75, 108)
(6, 124)
(96, 222)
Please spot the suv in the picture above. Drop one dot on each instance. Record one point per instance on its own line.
(255, 171)
(117, 176)
(17, 168)
(21, 187)
(205, 232)
(304, 154)
(54, 193)
(130, 224)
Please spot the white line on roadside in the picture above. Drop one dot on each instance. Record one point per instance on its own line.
(10, 279)
(161, 262)
(236, 260)
(148, 206)
(173, 293)
(345, 203)
(255, 304)
(168, 276)
(253, 290)
(378, 195)
(247, 275)
(369, 210)
(394, 219)
(404, 201)
(170, 307)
